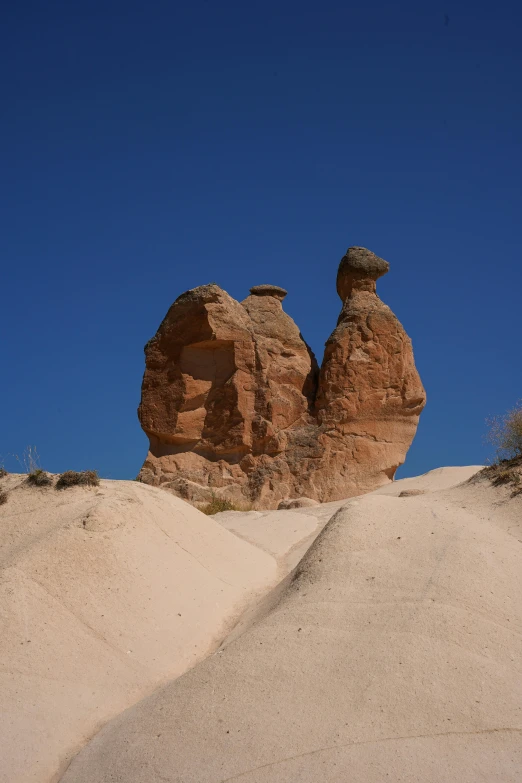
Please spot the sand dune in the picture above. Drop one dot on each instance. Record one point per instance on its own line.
(105, 594)
(394, 653)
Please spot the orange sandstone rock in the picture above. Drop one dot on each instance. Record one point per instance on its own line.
(370, 394)
(234, 405)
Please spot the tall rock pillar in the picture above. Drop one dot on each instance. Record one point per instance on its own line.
(370, 394)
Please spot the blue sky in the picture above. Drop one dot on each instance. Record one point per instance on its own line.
(151, 147)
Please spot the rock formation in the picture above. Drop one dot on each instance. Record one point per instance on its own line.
(234, 404)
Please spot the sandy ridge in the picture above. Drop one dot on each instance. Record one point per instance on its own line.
(395, 652)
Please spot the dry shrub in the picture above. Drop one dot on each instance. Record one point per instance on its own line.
(30, 460)
(504, 476)
(219, 504)
(39, 478)
(3, 497)
(517, 484)
(505, 433)
(73, 478)
(503, 473)
(3, 472)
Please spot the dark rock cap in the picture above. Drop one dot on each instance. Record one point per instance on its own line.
(358, 263)
(269, 290)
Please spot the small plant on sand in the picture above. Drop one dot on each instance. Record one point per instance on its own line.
(73, 478)
(219, 504)
(3, 472)
(39, 478)
(517, 482)
(30, 460)
(3, 497)
(505, 433)
(504, 473)
(501, 475)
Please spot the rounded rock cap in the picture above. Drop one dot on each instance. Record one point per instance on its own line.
(269, 290)
(358, 263)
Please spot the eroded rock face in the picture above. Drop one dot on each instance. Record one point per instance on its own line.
(234, 404)
(370, 394)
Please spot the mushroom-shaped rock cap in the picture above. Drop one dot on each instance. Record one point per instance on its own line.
(269, 290)
(358, 264)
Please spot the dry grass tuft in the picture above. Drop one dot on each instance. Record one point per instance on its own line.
(30, 460)
(73, 478)
(219, 504)
(504, 473)
(3, 472)
(39, 478)
(504, 476)
(3, 497)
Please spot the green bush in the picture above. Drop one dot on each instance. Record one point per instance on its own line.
(72, 478)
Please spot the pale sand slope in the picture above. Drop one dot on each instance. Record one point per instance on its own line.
(395, 654)
(287, 534)
(105, 594)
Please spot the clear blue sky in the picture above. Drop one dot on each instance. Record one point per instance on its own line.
(150, 147)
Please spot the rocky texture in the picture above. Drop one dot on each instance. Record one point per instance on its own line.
(370, 394)
(234, 404)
